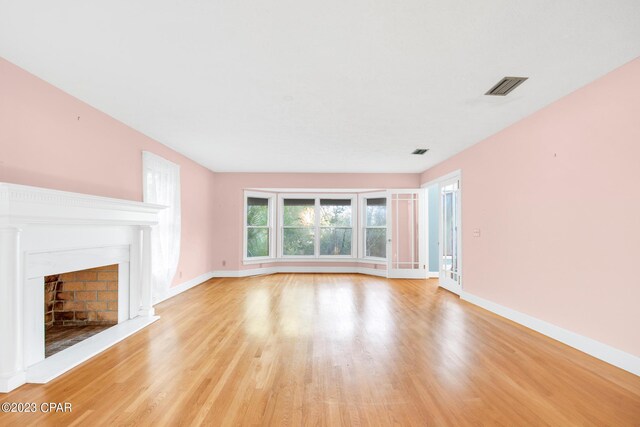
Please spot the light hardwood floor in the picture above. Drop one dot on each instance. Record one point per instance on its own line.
(331, 350)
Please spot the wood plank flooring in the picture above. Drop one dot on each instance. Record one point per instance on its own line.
(333, 350)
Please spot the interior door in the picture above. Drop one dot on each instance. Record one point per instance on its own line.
(405, 256)
(449, 245)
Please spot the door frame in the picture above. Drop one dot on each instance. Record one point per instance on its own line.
(439, 181)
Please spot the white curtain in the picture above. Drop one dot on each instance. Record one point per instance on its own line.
(161, 186)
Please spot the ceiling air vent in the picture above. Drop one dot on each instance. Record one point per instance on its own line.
(506, 85)
(420, 151)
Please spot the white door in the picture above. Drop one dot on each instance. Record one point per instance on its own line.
(450, 227)
(405, 257)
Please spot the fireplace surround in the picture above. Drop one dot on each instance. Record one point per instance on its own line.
(78, 305)
(47, 232)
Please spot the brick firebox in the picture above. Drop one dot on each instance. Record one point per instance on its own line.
(80, 298)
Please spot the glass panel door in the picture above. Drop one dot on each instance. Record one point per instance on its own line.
(450, 272)
(404, 254)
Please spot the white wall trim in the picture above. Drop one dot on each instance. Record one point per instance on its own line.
(601, 351)
(33, 205)
(296, 269)
(185, 286)
(244, 273)
(323, 259)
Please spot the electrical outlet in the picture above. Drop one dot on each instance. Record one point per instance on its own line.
(224, 263)
(476, 232)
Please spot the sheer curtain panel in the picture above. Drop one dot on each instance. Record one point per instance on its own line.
(161, 186)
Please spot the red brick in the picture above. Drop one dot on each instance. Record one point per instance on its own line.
(107, 296)
(86, 295)
(96, 286)
(81, 315)
(67, 277)
(74, 305)
(112, 306)
(108, 275)
(64, 315)
(111, 316)
(87, 275)
(112, 267)
(73, 286)
(64, 296)
(97, 305)
(112, 286)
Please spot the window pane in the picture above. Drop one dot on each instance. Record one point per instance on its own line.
(299, 212)
(377, 212)
(298, 241)
(335, 213)
(257, 242)
(335, 241)
(257, 211)
(376, 244)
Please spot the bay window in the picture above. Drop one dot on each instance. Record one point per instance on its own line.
(314, 226)
(375, 227)
(298, 227)
(335, 227)
(317, 227)
(259, 240)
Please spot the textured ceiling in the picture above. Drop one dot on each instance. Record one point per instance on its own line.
(331, 86)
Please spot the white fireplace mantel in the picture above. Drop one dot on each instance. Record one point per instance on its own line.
(45, 232)
(21, 204)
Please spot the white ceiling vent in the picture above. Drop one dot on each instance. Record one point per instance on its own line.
(505, 86)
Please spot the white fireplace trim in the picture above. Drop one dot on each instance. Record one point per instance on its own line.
(33, 205)
(45, 232)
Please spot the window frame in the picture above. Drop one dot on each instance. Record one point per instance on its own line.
(363, 197)
(317, 227)
(271, 197)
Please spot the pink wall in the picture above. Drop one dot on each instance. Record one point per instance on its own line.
(229, 203)
(557, 199)
(44, 144)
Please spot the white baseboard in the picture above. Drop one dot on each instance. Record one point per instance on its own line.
(12, 382)
(243, 273)
(372, 271)
(175, 290)
(433, 274)
(296, 269)
(601, 351)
